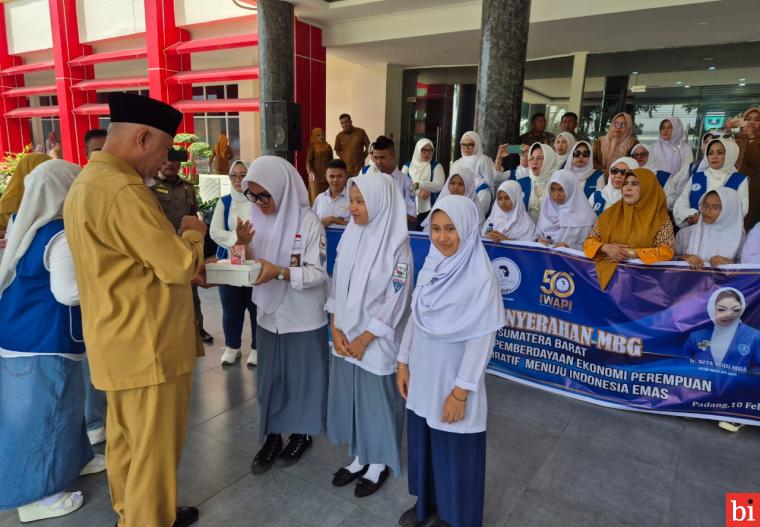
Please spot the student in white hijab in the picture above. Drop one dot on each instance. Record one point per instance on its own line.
(291, 378)
(611, 192)
(647, 158)
(729, 343)
(671, 149)
(541, 161)
(563, 146)
(428, 178)
(461, 182)
(579, 162)
(716, 238)
(509, 220)
(566, 216)
(482, 166)
(45, 447)
(721, 171)
(369, 300)
(441, 369)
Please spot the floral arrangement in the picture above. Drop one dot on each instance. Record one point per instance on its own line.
(8, 166)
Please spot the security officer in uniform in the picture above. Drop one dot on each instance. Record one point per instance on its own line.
(177, 199)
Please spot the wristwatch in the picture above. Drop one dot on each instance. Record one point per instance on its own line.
(281, 274)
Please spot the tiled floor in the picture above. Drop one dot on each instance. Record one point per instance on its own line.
(552, 461)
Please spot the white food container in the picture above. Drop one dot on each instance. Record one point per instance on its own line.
(225, 273)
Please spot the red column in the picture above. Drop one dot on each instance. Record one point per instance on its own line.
(66, 46)
(161, 31)
(14, 133)
(310, 84)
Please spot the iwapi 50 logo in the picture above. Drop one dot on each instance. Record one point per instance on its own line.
(742, 510)
(556, 289)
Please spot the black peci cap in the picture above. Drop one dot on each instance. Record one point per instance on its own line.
(138, 109)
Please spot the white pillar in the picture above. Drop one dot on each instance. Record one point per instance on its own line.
(578, 81)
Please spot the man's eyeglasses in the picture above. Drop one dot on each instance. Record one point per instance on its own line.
(622, 171)
(579, 153)
(263, 197)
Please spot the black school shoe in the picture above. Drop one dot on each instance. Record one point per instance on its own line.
(206, 337)
(409, 518)
(297, 445)
(365, 487)
(344, 476)
(267, 454)
(185, 516)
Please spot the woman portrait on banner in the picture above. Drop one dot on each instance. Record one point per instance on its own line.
(727, 341)
(318, 155)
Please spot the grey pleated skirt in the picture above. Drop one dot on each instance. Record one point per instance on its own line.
(291, 382)
(365, 412)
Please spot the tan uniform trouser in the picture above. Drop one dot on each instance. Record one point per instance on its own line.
(145, 430)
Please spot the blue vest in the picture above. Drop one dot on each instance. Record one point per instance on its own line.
(590, 186)
(662, 177)
(699, 186)
(526, 185)
(221, 252)
(32, 320)
(433, 164)
(599, 203)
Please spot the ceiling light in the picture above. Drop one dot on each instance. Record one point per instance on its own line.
(742, 84)
(678, 83)
(634, 73)
(709, 58)
(711, 68)
(687, 86)
(703, 24)
(742, 79)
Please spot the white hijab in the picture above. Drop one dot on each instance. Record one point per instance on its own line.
(275, 233)
(420, 170)
(582, 173)
(45, 190)
(653, 163)
(548, 166)
(367, 253)
(729, 163)
(724, 237)
(722, 336)
(515, 224)
(470, 184)
(611, 194)
(236, 196)
(554, 220)
(672, 154)
(480, 164)
(562, 159)
(457, 298)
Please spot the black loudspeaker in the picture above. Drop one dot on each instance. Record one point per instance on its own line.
(283, 126)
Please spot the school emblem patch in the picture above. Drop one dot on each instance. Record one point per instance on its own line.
(744, 349)
(704, 345)
(696, 187)
(400, 273)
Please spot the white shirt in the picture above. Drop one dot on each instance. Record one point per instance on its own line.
(434, 186)
(404, 182)
(227, 238)
(435, 368)
(302, 308)
(751, 251)
(385, 319)
(325, 205)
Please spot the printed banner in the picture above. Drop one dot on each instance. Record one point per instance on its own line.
(661, 338)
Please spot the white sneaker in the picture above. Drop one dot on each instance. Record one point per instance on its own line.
(730, 427)
(97, 435)
(96, 464)
(230, 356)
(253, 359)
(54, 506)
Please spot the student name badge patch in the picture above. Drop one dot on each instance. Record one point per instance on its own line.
(399, 276)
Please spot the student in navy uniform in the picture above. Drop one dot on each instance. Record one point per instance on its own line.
(290, 293)
(427, 176)
(717, 237)
(231, 225)
(606, 195)
(331, 206)
(369, 300)
(721, 172)
(579, 163)
(509, 220)
(44, 444)
(441, 369)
